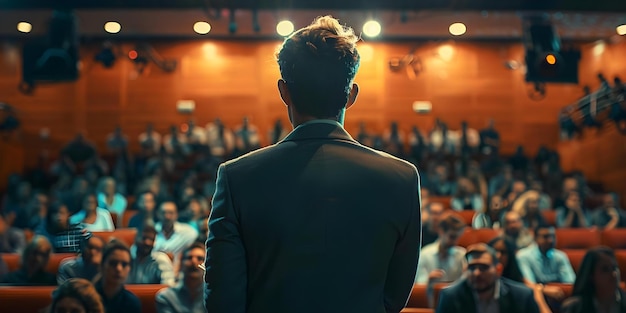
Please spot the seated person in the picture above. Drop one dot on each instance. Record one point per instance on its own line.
(146, 205)
(12, 239)
(188, 295)
(492, 216)
(32, 270)
(609, 215)
(466, 197)
(149, 267)
(92, 217)
(115, 267)
(542, 263)
(515, 231)
(172, 236)
(597, 285)
(109, 198)
(87, 265)
(430, 225)
(483, 290)
(572, 214)
(443, 260)
(76, 295)
(65, 237)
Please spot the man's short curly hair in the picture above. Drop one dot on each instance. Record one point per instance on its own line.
(319, 63)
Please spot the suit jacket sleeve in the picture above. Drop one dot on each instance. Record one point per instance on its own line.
(226, 269)
(446, 302)
(403, 265)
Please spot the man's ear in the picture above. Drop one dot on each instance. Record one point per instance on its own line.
(354, 91)
(284, 92)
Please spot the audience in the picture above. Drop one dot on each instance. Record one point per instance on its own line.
(188, 295)
(115, 267)
(443, 260)
(86, 265)
(149, 267)
(65, 237)
(483, 290)
(466, 197)
(32, 269)
(572, 214)
(430, 226)
(541, 263)
(109, 198)
(146, 205)
(92, 217)
(515, 231)
(492, 216)
(609, 215)
(172, 236)
(597, 287)
(76, 295)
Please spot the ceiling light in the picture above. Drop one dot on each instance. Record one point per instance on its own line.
(202, 28)
(24, 27)
(457, 29)
(284, 28)
(371, 28)
(112, 27)
(621, 30)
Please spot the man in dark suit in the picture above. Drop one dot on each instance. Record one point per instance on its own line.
(483, 290)
(317, 222)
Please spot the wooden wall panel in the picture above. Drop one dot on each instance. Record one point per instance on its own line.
(232, 79)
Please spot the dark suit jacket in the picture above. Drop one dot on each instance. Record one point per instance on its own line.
(514, 298)
(315, 223)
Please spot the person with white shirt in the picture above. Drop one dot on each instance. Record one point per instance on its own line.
(92, 217)
(172, 236)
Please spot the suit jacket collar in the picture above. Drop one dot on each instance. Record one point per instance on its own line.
(318, 130)
(504, 300)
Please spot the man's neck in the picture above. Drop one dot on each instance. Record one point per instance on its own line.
(443, 251)
(487, 294)
(193, 287)
(168, 230)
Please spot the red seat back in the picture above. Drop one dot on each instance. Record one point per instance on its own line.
(577, 238)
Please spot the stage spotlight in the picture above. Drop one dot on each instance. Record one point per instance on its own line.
(284, 28)
(621, 30)
(112, 27)
(202, 27)
(24, 27)
(457, 29)
(371, 28)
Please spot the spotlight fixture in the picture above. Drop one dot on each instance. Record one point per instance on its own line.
(371, 28)
(112, 27)
(457, 29)
(202, 27)
(284, 28)
(621, 30)
(24, 27)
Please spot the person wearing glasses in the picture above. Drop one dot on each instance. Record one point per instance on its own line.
(187, 296)
(87, 265)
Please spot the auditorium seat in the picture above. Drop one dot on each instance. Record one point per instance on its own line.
(575, 257)
(146, 294)
(549, 216)
(577, 238)
(32, 299)
(614, 238)
(467, 216)
(35, 298)
(472, 236)
(13, 261)
(441, 199)
(418, 298)
(417, 310)
(126, 216)
(126, 235)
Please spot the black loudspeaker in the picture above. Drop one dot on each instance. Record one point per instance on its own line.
(55, 57)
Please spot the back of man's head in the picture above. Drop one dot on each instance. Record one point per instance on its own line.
(479, 249)
(318, 64)
(451, 221)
